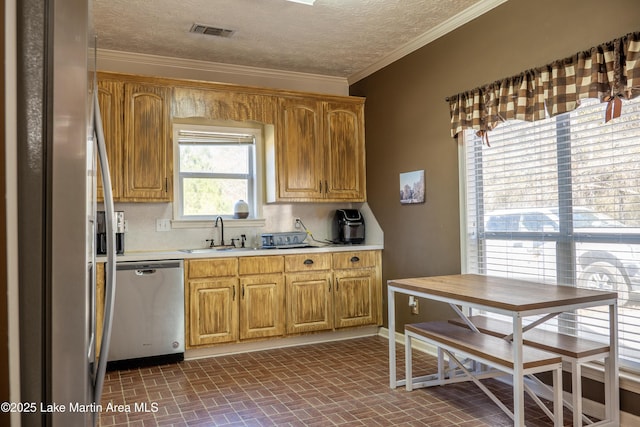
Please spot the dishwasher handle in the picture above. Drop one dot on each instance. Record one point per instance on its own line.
(146, 272)
(151, 266)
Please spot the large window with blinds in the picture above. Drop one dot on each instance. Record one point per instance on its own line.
(558, 201)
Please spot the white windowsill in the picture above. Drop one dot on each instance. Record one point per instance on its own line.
(228, 223)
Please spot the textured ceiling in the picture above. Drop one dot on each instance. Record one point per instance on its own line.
(333, 37)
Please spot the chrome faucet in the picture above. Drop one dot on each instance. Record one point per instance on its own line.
(221, 229)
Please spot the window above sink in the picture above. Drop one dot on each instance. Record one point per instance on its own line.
(215, 166)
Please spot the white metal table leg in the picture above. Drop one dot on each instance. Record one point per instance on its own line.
(408, 363)
(518, 377)
(557, 399)
(612, 381)
(391, 307)
(576, 393)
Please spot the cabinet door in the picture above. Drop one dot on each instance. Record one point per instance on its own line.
(212, 311)
(261, 306)
(344, 139)
(309, 302)
(355, 298)
(110, 94)
(147, 143)
(300, 150)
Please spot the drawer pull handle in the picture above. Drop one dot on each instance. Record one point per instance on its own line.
(308, 261)
(355, 259)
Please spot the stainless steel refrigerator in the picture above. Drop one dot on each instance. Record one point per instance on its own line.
(56, 207)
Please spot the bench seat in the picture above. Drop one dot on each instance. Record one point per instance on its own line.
(494, 352)
(574, 350)
(562, 344)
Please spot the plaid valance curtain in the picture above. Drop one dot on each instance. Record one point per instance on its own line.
(608, 72)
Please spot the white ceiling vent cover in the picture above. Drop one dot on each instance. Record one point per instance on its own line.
(210, 30)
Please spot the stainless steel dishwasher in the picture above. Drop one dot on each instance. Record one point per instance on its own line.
(148, 318)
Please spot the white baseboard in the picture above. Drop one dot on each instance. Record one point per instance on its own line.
(268, 344)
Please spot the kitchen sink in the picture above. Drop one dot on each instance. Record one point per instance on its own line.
(213, 250)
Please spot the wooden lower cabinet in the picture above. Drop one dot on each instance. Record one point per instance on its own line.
(213, 311)
(309, 296)
(309, 302)
(211, 301)
(248, 298)
(358, 290)
(261, 306)
(355, 298)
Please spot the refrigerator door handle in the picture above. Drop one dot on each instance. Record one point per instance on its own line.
(110, 267)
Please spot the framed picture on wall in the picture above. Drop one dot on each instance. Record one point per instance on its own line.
(412, 187)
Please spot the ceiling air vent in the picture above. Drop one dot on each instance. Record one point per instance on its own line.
(210, 31)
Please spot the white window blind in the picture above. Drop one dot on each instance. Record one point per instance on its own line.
(558, 201)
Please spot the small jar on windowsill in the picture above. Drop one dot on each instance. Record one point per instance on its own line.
(241, 210)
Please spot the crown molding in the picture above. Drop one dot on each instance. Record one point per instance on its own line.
(163, 66)
(480, 8)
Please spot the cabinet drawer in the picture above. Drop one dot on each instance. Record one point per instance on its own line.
(198, 268)
(307, 262)
(356, 259)
(261, 265)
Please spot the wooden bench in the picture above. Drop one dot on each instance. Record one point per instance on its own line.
(489, 350)
(573, 350)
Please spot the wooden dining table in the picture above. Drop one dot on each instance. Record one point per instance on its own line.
(517, 299)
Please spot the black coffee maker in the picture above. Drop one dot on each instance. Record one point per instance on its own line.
(101, 233)
(348, 226)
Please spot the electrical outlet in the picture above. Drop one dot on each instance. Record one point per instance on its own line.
(413, 303)
(415, 309)
(296, 223)
(163, 224)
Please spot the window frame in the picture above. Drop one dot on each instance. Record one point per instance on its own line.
(254, 176)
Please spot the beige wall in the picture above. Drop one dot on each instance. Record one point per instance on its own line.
(407, 119)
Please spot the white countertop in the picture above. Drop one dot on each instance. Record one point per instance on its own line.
(222, 253)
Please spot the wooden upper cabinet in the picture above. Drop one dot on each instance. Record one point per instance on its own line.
(301, 151)
(314, 145)
(227, 104)
(136, 119)
(110, 101)
(320, 151)
(344, 139)
(147, 143)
